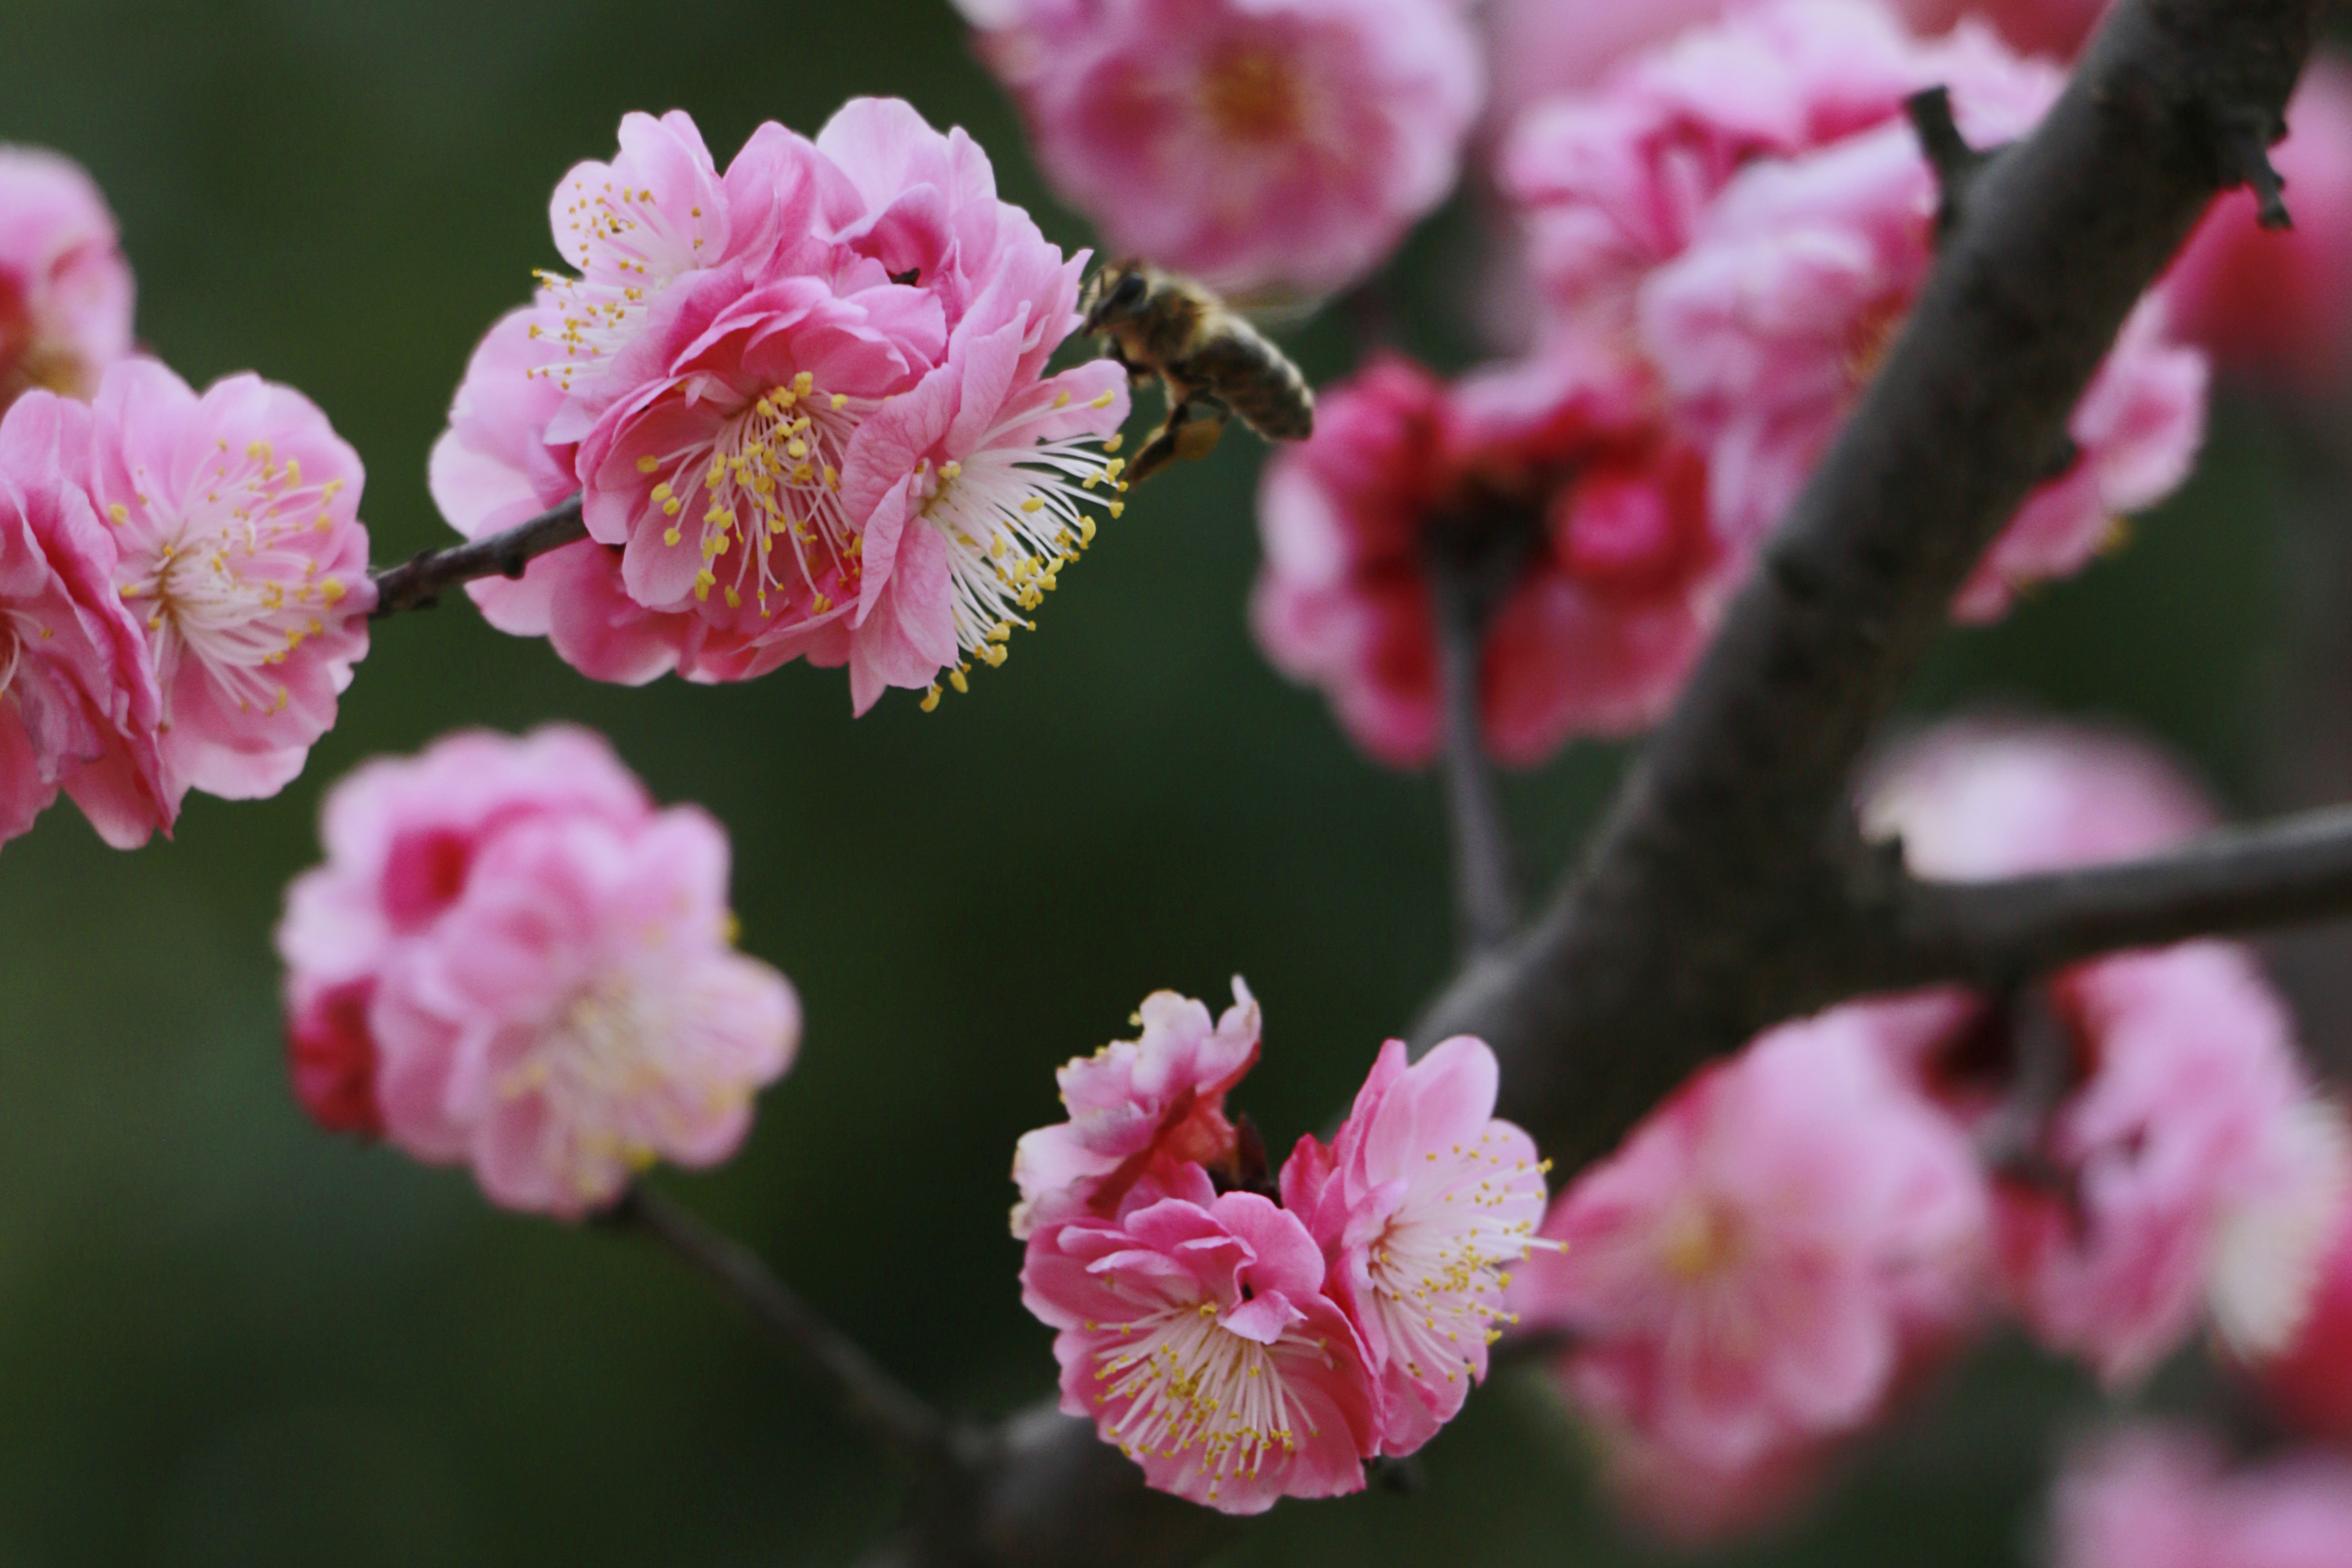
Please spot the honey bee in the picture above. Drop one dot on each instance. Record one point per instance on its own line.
(1212, 364)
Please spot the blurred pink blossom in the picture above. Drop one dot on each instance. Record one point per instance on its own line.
(237, 514)
(2309, 1380)
(65, 290)
(1138, 1107)
(704, 381)
(403, 835)
(2055, 28)
(1193, 1330)
(79, 706)
(1264, 146)
(2150, 1496)
(1620, 583)
(1743, 1280)
(1423, 1204)
(2189, 1172)
(1747, 208)
(580, 1012)
(1536, 49)
(2279, 304)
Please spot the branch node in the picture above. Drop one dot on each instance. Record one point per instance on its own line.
(2246, 135)
(1957, 163)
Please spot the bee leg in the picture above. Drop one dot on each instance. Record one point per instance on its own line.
(1158, 451)
(1137, 376)
(1204, 421)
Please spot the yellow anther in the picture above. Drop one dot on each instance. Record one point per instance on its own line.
(1115, 467)
(823, 603)
(1117, 439)
(1031, 504)
(332, 590)
(949, 470)
(956, 680)
(796, 448)
(1086, 528)
(670, 536)
(703, 583)
(1105, 400)
(734, 600)
(802, 385)
(841, 400)
(1117, 509)
(648, 464)
(672, 507)
(1061, 400)
(119, 512)
(931, 703)
(661, 491)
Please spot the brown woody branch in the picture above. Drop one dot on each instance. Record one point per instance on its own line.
(417, 583)
(1727, 889)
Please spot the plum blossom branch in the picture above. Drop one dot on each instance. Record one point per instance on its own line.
(879, 1403)
(1716, 898)
(2235, 880)
(415, 584)
(1463, 584)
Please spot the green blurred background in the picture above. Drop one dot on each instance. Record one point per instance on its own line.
(225, 1338)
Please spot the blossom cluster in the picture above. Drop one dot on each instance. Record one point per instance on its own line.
(1275, 149)
(183, 584)
(510, 959)
(1246, 1339)
(804, 405)
(1800, 1234)
(1725, 233)
(2159, 1496)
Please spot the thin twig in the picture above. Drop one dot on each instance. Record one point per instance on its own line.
(1486, 899)
(417, 583)
(877, 1402)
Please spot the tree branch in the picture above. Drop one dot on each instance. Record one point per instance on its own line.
(417, 583)
(1716, 897)
(1461, 592)
(870, 1396)
(2235, 880)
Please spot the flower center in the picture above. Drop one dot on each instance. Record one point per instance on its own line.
(1437, 1271)
(232, 582)
(1251, 94)
(628, 250)
(1190, 1385)
(1700, 1239)
(762, 499)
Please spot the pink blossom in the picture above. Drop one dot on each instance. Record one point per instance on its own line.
(2280, 304)
(1261, 145)
(1536, 49)
(1422, 1205)
(1194, 1331)
(1612, 604)
(330, 1056)
(578, 1011)
(2309, 1380)
(1748, 208)
(703, 384)
(1138, 1107)
(493, 469)
(79, 706)
(2150, 1496)
(2189, 1172)
(237, 514)
(1742, 1281)
(403, 835)
(65, 290)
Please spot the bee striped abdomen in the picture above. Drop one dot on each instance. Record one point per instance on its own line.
(1256, 380)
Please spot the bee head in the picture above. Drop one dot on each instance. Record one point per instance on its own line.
(1117, 294)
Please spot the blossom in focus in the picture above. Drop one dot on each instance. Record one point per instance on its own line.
(65, 290)
(79, 706)
(2279, 303)
(1744, 1279)
(580, 1012)
(704, 380)
(403, 837)
(237, 516)
(1274, 147)
(1423, 1204)
(2189, 1172)
(1138, 1107)
(1617, 590)
(1193, 1330)
(1746, 209)
(2151, 1496)
(2309, 1380)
